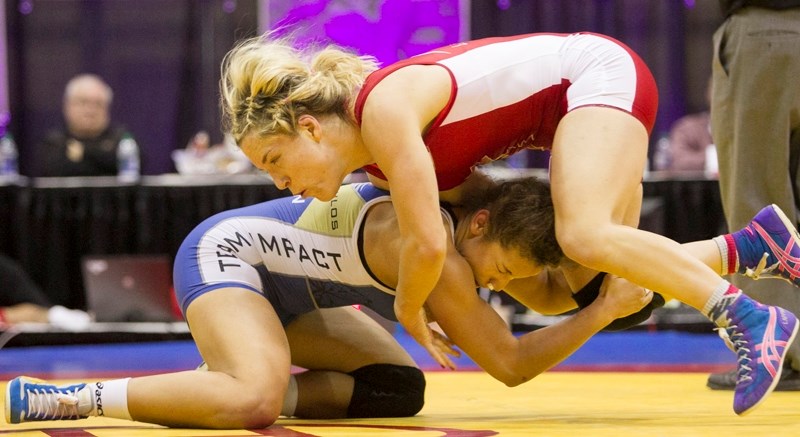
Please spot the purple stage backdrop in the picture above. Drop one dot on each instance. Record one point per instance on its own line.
(390, 30)
(162, 57)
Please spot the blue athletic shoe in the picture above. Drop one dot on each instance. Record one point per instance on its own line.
(769, 247)
(31, 399)
(760, 336)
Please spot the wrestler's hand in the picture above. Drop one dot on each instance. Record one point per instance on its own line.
(621, 297)
(443, 343)
(419, 330)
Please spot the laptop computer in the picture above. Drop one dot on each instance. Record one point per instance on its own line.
(128, 288)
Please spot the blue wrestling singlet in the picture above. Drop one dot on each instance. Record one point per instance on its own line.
(301, 254)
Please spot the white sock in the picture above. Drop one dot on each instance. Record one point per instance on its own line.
(716, 309)
(108, 399)
(290, 400)
(722, 245)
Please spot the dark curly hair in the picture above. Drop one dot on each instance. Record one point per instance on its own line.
(521, 217)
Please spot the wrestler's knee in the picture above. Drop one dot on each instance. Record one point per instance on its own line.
(585, 243)
(254, 406)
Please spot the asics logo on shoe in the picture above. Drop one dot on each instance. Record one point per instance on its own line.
(783, 255)
(98, 398)
(769, 353)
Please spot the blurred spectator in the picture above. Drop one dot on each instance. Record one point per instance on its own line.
(200, 157)
(87, 143)
(690, 142)
(23, 302)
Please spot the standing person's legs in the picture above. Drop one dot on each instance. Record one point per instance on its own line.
(755, 124)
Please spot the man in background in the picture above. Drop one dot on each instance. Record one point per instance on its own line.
(87, 143)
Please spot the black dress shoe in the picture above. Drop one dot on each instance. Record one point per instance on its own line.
(790, 380)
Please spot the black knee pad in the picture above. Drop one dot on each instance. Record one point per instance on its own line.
(386, 390)
(585, 296)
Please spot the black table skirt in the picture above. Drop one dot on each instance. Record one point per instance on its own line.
(692, 209)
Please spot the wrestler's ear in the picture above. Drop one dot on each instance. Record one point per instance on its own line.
(479, 223)
(309, 125)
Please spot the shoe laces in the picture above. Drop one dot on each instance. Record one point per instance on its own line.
(761, 268)
(734, 340)
(50, 402)
(723, 334)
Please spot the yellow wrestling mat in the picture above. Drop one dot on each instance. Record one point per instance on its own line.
(554, 404)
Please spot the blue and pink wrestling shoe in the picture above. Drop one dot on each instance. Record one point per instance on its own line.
(760, 335)
(768, 247)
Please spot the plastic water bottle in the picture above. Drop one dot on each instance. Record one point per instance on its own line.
(128, 165)
(9, 158)
(712, 165)
(662, 156)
